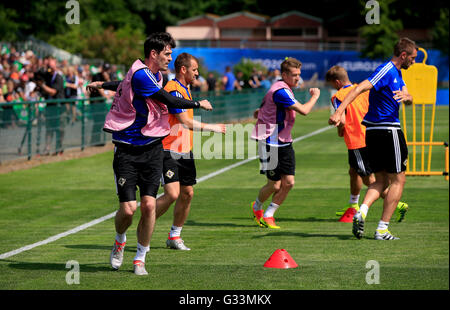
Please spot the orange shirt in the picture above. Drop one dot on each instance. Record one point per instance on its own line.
(354, 132)
(180, 138)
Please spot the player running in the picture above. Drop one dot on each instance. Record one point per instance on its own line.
(138, 121)
(386, 143)
(275, 119)
(179, 173)
(354, 134)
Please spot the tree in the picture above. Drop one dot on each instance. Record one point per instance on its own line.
(440, 31)
(381, 37)
(9, 28)
(246, 66)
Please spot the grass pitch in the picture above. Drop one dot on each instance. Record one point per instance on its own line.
(228, 249)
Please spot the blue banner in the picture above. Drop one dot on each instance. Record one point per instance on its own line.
(216, 59)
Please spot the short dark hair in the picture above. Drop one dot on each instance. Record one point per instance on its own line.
(184, 59)
(290, 62)
(404, 45)
(158, 41)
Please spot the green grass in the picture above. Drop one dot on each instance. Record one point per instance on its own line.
(228, 250)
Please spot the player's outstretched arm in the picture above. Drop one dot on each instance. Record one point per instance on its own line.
(103, 85)
(305, 108)
(178, 102)
(336, 118)
(192, 124)
(161, 95)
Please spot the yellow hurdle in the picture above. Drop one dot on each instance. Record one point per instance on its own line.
(421, 81)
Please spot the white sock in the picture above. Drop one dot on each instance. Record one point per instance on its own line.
(121, 238)
(257, 205)
(364, 209)
(271, 209)
(175, 231)
(141, 251)
(354, 199)
(382, 225)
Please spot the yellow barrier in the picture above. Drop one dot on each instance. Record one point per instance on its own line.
(421, 81)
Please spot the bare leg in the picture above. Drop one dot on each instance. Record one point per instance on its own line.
(376, 188)
(147, 221)
(397, 183)
(124, 217)
(367, 180)
(267, 190)
(287, 183)
(356, 182)
(171, 193)
(183, 206)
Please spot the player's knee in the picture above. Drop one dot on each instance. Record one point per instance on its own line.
(288, 184)
(276, 186)
(369, 179)
(127, 213)
(147, 208)
(172, 194)
(399, 179)
(187, 194)
(127, 209)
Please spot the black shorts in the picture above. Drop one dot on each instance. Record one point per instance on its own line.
(137, 166)
(179, 168)
(387, 150)
(358, 159)
(276, 161)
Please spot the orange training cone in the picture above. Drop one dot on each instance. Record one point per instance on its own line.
(347, 217)
(280, 259)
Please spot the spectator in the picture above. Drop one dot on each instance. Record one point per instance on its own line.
(241, 81)
(276, 76)
(98, 107)
(51, 85)
(71, 90)
(229, 80)
(9, 116)
(199, 84)
(211, 81)
(20, 72)
(254, 81)
(265, 83)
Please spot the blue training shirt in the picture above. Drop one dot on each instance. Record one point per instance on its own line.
(336, 102)
(230, 81)
(383, 108)
(283, 99)
(144, 84)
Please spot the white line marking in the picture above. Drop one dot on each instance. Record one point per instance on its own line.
(111, 215)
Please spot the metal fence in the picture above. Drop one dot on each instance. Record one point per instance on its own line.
(49, 127)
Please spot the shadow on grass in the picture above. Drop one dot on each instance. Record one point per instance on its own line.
(104, 247)
(59, 266)
(303, 235)
(286, 219)
(214, 224)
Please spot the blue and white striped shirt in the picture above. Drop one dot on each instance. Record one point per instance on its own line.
(383, 108)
